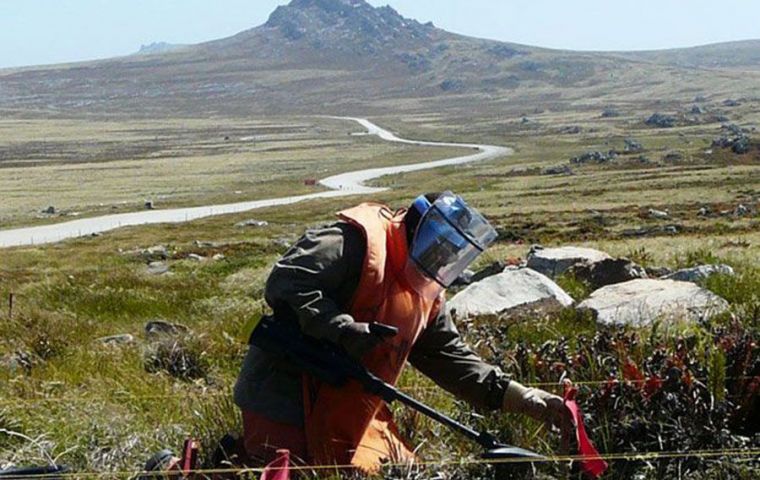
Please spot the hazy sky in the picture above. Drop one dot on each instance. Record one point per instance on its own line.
(36, 32)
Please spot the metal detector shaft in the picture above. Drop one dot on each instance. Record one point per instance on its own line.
(389, 393)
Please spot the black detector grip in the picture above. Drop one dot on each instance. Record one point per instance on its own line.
(383, 331)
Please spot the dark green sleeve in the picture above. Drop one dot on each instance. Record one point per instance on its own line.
(316, 278)
(441, 354)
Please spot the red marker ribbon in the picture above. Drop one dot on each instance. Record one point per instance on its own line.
(592, 464)
(279, 469)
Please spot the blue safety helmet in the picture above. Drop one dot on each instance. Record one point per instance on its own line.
(449, 237)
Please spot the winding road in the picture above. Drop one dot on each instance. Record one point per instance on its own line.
(345, 184)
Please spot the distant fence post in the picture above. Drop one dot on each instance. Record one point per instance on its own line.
(10, 306)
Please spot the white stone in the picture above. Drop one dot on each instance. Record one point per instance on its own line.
(640, 302)
(555, 261)
(514, 287)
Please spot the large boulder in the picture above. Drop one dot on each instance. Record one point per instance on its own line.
(514, 288)
(640, 302)
(699, 273)
(556, 261)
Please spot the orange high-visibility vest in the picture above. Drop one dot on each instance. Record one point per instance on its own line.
(347, 425)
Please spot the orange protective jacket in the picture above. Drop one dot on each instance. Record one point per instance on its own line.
(346, 425)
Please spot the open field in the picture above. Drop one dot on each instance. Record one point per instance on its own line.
(105, 407)
(88, 168)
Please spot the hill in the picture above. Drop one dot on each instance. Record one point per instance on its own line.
(360, 59)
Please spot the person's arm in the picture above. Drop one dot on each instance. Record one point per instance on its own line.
(441, 354)
(316, 276)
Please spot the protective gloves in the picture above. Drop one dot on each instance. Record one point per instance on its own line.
(541, 406)
(357, 340)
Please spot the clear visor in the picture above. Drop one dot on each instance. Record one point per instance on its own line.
(450, 236)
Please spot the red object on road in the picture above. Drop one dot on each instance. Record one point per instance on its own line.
(592, 464)
(279, 469)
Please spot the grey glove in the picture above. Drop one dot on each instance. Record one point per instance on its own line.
(357, 340)
(539, 405)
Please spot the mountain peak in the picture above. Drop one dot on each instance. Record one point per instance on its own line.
(345, 24)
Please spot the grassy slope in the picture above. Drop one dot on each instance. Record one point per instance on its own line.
(98, 408)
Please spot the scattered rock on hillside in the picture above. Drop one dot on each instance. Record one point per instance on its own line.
(49, 210)
(697, 110)
(595, 157)
(123, 339)
(742, 210)
(514, 288)
(156, 252)
(158, 268)
(607, 272)
(156, 328)
(699, 273)
(736, 139)
(730, 102)
(658, 214)
(252, 223)
(195, 257)
(555, 261)
(640, 302)
(651, 231)
(660, 120)
(632, 146)
(557, 170)
(610, 112)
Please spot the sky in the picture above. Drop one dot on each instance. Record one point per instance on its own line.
(35, 32)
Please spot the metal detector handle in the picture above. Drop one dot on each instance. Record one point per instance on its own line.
(382, 330)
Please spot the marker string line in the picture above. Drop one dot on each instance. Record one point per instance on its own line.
(412, 389)
(637, 456)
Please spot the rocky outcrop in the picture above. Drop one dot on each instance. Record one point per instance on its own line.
(594, 157)
(513, 289)
(556, 261)
(699, 273)
(660, 120)
(640, 302)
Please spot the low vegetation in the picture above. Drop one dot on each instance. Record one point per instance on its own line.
(103, 405)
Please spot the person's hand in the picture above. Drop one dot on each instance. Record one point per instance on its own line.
(541, 406)
(357, 339)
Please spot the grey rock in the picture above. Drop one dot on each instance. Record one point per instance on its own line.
(660, 120)
(640, 302)
(158, 268)
(658, 214)
(608, 272)
(149, 205)
(697, 110)
(514, 288)
(699, 273)
(730, 102)
(49, 210)
(610, 112)
(156, 328)
(252, 223)
(123, 339)
(557, 170)
(658, 272)
(742, 210)
(218, 256)
(156, 252)
(594, 157)
(195, 257)
(555, 261)
(633, 146)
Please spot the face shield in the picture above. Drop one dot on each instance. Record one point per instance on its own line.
(449, 237)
